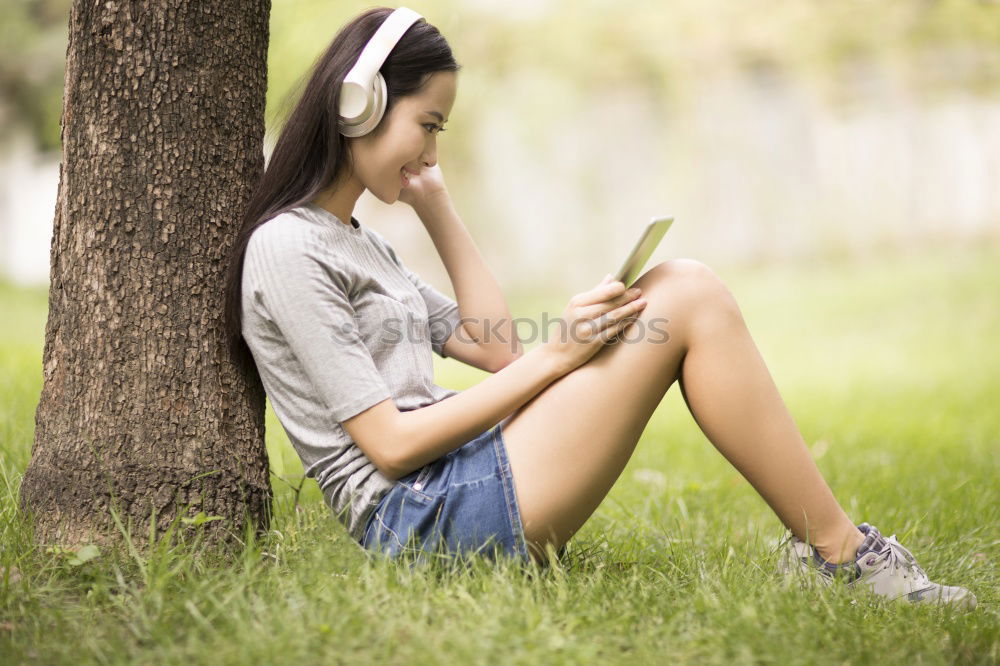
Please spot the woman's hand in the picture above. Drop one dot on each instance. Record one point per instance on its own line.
(592, 319)
(425, 187)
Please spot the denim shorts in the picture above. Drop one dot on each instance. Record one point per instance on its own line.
(461, 504)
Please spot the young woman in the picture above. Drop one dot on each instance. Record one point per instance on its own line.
(341, 332)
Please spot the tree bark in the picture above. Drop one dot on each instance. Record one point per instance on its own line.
(141, 406)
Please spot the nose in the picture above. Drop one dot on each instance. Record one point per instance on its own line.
(429, 157)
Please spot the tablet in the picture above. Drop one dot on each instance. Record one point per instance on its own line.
(644, 247)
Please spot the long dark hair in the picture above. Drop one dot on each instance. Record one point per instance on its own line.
(310, 153)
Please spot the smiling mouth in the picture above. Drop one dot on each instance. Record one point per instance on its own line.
(406, 175)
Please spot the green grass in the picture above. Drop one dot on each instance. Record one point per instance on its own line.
(890, 368)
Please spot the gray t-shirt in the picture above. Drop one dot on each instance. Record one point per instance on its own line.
(336, 324)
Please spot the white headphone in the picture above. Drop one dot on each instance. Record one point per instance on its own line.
(363, 95)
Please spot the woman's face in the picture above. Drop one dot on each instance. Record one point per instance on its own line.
(406, 138)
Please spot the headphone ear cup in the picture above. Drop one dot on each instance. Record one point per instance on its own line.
(366, 123)
(363, 93)
(381, 91)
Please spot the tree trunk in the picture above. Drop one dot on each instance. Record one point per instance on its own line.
(142, 407)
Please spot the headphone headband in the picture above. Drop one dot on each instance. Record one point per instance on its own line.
(363, 93)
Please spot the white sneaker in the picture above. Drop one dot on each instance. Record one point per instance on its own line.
(882, 565)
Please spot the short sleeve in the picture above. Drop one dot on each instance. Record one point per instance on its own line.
(305, 295)
(442, 312)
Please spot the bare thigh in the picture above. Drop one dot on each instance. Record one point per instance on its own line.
(570, 443)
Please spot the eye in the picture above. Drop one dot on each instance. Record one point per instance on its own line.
(432, 127)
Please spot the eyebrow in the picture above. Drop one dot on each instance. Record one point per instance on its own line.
(436, 115)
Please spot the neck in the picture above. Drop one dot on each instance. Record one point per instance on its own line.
(340, 198)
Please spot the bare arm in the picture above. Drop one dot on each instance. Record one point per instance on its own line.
(401, 442)
(486, 338)
(397, 442)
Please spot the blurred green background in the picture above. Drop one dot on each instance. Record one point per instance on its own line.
(815, 140)
(784, 137)
(780, 135)
(773, 131)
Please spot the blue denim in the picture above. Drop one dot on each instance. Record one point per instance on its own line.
(461, 504)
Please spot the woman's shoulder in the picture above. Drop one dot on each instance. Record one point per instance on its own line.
(380, 241)
(289, 232)
(286, 253)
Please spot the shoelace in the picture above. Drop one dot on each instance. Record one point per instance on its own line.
(899, 557)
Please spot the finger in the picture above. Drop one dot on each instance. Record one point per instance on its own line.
(621, 329)
(615, 316)
(600, 293)
(597, 309)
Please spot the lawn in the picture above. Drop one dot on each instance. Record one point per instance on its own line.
(890, 367)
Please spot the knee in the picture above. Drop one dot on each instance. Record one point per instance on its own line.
(688, 284)
(683, 275)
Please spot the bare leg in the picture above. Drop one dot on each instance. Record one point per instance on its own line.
(569, 444)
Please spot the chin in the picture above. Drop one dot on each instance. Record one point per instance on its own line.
(381, 196)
